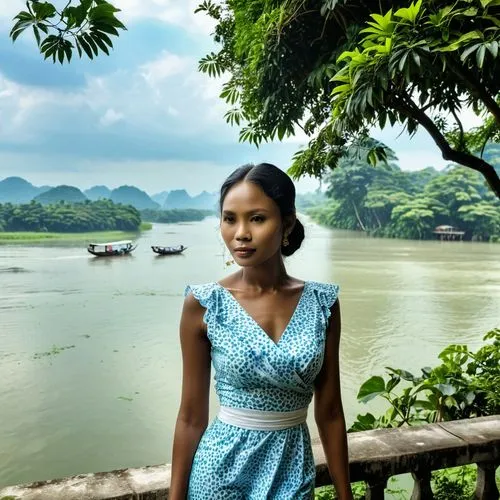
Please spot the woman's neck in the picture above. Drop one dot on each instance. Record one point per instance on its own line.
(269, 275)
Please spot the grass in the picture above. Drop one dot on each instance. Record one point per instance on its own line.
(33, 237)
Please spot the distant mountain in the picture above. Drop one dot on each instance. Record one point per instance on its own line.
(97, 192)
(205, 201)
(160, 197)
(17, 190)
(69, 194)
(179, 198)
(130, 195)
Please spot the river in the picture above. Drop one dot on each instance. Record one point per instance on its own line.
(90, 365)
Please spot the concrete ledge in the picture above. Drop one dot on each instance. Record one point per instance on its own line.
(372, 454)
(388, 452)
(146, 483)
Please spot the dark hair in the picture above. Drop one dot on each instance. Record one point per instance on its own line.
(278, 186)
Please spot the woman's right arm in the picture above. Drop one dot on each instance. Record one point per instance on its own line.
(192, 418)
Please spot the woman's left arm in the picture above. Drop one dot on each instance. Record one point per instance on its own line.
(328, 411)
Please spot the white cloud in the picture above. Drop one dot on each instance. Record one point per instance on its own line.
(176, 12)
(172, 111)
(162, 68)
(111, 117)
(18, 104)
(9, 10)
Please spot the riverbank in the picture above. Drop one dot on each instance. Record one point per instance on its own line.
(23, 237)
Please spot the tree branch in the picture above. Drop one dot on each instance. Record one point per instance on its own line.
(460, 126)
(406, 106)
(479, 89)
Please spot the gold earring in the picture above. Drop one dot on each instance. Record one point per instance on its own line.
(285, 241)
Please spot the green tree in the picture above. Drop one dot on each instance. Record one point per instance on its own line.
(335, 69)
(64, 217)
(87, 27)
(484, 217)
(417, 217)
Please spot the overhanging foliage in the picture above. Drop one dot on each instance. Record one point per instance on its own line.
(335, 69)
(88, 27)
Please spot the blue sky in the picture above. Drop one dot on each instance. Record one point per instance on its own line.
(142, 116)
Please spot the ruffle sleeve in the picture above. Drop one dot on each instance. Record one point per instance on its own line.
(206, 295)
(326, 294)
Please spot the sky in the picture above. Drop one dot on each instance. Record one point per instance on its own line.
(143, 116)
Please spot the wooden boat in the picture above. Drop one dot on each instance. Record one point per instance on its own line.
(168, 250)
(111, 249)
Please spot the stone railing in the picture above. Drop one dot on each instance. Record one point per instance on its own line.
(374, 457)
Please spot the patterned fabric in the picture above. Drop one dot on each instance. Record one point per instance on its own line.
(252, 371)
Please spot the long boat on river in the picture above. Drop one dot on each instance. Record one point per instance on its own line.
(168, 250)
(111, 249)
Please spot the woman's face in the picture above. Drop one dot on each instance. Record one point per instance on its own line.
(251, 224)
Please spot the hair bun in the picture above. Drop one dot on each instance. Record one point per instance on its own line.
(295, 239)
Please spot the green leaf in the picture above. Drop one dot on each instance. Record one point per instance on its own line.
(68, 46)
(416, 58)
(102, 36)
(97, 39)
(393, 382)
(422, 403)
(371, 389)
(446, 389)
(493, 48)
(469, 50)
(363, 423)
(405, 375)
(43, 10)
(105, 10)
(78, 47)
(18, 28)
(37, 35)
(86, 47)
(92, 44)
(60, 54)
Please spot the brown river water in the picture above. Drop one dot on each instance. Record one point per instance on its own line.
(90, 365)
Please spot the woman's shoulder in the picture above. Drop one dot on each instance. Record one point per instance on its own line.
(201, 291)
(326, 293)
(323, 286)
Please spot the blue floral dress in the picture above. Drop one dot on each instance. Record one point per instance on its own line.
(254, 372)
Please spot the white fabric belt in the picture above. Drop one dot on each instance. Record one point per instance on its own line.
(262, 420)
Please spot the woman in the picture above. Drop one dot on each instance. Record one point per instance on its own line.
(274, 341)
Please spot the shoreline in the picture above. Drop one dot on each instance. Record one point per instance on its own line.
(20, 237)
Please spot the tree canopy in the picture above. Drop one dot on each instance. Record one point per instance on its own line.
(86, 27)
(336, 69)
(387, 201)
(102, 215)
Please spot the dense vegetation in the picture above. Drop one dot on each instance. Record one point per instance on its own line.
(386, 201)
(102, 215)
(336, 69)
(464, 385)
(175, 215)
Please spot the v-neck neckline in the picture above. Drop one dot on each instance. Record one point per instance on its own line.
(288, 325)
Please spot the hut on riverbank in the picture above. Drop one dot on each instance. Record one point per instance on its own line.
(448, 233)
